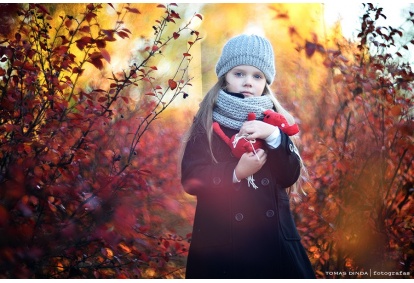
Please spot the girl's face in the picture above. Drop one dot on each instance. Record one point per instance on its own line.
(247, 80)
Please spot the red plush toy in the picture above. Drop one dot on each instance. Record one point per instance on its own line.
(278, 120)
(239, 144)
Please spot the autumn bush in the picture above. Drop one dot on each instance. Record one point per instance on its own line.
(75, 187)
(357, 142)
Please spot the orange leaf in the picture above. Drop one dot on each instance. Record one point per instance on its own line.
(338, 78)
(396, 110)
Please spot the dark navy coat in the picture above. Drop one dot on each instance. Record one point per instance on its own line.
(239, 231)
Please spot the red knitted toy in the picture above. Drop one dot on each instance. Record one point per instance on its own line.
(239, 144)
(278, 120)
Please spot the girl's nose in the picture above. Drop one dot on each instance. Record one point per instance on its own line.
(247, 81)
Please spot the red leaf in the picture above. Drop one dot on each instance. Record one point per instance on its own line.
(82, 42)
(108, 32)
(68, 23)
(127, 30)
(77, 70)
(96, 62)
(155, 48)
(172, 84)
(200, 16)
(90, 16)
(125, 99)
(310, 48)
(85, 29)
(61, 50)
(122, 34)
(186, 54)
(105, 55)
(100, 43)
(175, 15)
(42, 9)
(9, 127)
(102, 99)
(64, 40)
(133, 10)
(150, 94)
(176, 35)
(144, 172)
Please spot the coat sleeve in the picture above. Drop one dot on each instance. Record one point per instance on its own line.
(285, 162)
(200, 174)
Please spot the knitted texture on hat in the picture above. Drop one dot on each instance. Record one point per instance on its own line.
(231, 111)
(250, 50)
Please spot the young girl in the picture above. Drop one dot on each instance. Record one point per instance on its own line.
(241, 231)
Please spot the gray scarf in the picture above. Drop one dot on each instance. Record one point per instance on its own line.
(231, 111)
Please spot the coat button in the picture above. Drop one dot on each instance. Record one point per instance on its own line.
(216, 180)
(265, 181)
(239, 217)
(270, 213)
(291, 148)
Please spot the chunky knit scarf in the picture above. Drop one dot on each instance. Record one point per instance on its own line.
(231, 111)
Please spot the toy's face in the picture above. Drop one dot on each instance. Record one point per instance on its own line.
(247, 80)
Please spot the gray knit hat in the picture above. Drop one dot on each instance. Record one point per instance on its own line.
(250, 50)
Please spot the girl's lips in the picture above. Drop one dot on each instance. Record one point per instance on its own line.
(246, 93)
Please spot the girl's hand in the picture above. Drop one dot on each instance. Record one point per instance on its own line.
(250, 163)
(256, 130)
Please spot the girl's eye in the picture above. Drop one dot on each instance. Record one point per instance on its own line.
(257, 76)
(238, 74)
